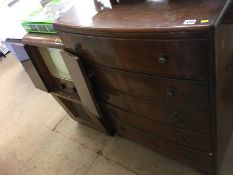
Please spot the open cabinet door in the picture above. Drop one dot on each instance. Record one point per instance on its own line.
(85, 92)
(18, 49)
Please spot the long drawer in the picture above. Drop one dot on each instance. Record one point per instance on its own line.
(184, 58)
(184, 93)
(180, 136)
(179, 117)
(197, 159)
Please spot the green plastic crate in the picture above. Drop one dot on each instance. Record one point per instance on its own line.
(41, 20)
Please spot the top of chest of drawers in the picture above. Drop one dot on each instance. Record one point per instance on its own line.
(133, 16)
(177, 58)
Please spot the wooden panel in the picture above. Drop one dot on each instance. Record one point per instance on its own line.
(32, 43)
(43, 40)
(76, 113)
(228, 18)
(180, 136)
(222, 94)
(81, 82)
(52, 83)
(144, 16)
(173, 58)
(24, 58)
(199, 160)
(190, 94)
(33, 74)
(39, 64)
(17, 48)
(70, 97)
(85, 92)
(135, 21)
(168, 114)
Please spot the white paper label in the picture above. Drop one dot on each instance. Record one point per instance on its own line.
(190, 22)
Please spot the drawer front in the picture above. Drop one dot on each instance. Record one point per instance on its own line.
(175, 58)
(180, 136)
(178, 117)
(190, 94)
(199, 160)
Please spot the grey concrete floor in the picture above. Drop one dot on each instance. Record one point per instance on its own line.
(38, 137)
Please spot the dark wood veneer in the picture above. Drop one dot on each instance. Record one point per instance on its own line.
(180, 136)
(33, 74)
(169, 114)
(43, 40)
(153, 75)
(222, 93)
(75, 110)
(64, 91)
(140, 16)
(182, 58)
(119, 46)
(199, 160)
(192, 94)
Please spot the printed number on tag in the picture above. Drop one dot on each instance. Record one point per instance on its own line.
(190, 22)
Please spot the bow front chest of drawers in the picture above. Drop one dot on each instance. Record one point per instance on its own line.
(161, 72)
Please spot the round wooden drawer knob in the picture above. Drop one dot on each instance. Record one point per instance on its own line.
(171, 92)
(164, 59)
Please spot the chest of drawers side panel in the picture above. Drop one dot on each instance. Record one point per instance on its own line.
(222, 93)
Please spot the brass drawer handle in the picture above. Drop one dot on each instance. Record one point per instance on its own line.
(171, 92)
(181, 139)
(164, 59)
(186, 155)
(177, 118)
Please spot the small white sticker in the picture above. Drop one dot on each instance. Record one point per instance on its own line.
(190, 22)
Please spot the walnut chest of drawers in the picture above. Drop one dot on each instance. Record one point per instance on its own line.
(161, 71)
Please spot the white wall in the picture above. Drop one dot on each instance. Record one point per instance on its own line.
(11, 17)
